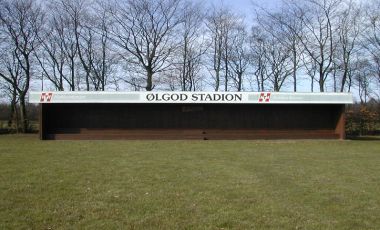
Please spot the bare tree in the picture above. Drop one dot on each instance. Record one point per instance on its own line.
(229, 24)
(76, 14)
(11, 80)
(279, 64)
(192, 46)
(75, 45)
(216, 43)
(318, 18)
(349, 32)
(311, 68)
(65, 31)
(51, 55)
(146, 30)
(83, 24)
(280, 49)
(240, 56)
(293, 37)
(362, 79)
(220, 23)
(284, 25)
(93, 44)
(371, 38)
(258, 45)
(20, 22)
(103, 58)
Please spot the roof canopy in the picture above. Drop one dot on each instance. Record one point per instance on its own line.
(190, 97)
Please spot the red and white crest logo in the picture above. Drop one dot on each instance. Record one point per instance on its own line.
(46, 97)
(264, 97)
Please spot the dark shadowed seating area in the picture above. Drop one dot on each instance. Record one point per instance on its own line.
(194, 121)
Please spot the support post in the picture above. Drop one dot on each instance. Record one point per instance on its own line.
(41, 122)
(341, 124)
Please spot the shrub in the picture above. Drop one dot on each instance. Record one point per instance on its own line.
(362, 119)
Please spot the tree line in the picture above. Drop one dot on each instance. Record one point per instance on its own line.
(301, 45)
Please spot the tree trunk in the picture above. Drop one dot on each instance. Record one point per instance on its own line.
(184, 74)
(87, 82)
(217, 81)
(321, 79)
(312, 85)
(276, 88)
(149, 80)
(258, 83)
(14, 119)
(239, 80)
(294, 70)
(321, 86)
(226, 61)
(344, 79)
(72, 85)
(23, 115)
(335, 85)
(226, 75)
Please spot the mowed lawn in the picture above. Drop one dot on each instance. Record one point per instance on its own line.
(188, 184)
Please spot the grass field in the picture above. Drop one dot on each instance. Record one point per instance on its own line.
(188, 184)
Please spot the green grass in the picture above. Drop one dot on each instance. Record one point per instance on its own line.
(188, 184)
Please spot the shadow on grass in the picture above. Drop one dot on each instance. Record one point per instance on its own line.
(4, 131)
(363, 138)
(8, 132)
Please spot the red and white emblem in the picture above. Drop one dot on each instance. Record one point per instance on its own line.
(46, 97)
(264, 97)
